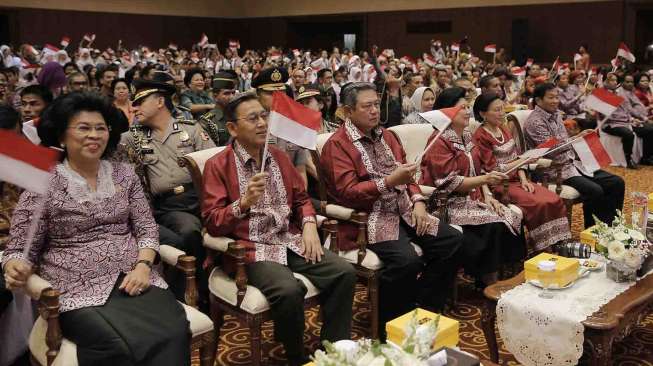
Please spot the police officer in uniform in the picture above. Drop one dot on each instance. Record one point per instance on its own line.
(266, 83)
(159, 140)
(213, 122)
(180, 111)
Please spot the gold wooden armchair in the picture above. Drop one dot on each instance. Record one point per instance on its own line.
(48, 347)
(514, 122)
(234, 296)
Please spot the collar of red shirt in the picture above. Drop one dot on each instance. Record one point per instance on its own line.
(245, 158)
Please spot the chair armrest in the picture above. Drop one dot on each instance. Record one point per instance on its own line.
(219, 243)
(170, 255)
(427, 191)
(36, 285)
(339, 212)
(48, 305)
(543, 163)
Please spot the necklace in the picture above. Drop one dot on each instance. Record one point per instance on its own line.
(499, 139)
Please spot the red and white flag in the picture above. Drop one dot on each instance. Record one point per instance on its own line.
(624, 52)
(441, 118)
(429, 60)
(529, 62)
(491, 48)
(25, 164)
(173, 46)
(455, 47)
(540, 150)
(204, 40)
(577, 57)
(518, 71)
(234, 44)
(591, 152)
(296, 52)
(615, 63)
(65, 41)
(89, 37)
(294, 122)
(603, 101)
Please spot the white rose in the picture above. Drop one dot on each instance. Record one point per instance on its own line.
(621, 236)
(632, 259)
(616, 251)
(636, 235)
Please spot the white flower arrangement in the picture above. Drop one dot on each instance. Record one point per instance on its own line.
(414, 351)
(621, 243)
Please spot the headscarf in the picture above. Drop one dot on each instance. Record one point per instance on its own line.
(62, 57)
(355, 74)
(52, 76)
(84, 58)
(417, 96)
(369, 74)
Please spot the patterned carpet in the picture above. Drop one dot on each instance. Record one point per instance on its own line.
(636, 349)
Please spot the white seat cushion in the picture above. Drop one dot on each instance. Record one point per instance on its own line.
(568, 192)
(200, 323)
(67, 353)
(221, 244)
(202, 156)
(371, 260)
(339, 212)
(224, 288)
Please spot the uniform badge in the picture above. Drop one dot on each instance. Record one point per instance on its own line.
(183, 136)
(276, 76)
(204, 136)
(301, 89)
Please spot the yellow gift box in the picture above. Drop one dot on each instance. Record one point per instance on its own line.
(566, 270)
(447, 335)
(650, 203)
(586, 237)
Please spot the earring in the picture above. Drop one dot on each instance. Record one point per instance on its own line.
(63, 146)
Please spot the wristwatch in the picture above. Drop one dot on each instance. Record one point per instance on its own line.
(144, 261)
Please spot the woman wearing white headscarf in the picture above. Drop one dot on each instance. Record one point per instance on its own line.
(423, 99)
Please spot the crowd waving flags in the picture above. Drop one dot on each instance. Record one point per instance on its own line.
(624, 51)
(603, 101)
(25, 164)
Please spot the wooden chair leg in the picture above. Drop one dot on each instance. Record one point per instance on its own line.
(570, 206)
(454, 291)
(217, 316)
(208, 349)
(255, 336)
(373, 297)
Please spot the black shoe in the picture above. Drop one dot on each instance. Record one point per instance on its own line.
(631, 164)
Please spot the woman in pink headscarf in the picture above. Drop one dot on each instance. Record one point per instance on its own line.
(52, 77)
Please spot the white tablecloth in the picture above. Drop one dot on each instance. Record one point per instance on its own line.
(549, 332)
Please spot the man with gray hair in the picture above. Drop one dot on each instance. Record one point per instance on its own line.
(365, 169)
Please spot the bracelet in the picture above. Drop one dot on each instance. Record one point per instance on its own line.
(144, 261)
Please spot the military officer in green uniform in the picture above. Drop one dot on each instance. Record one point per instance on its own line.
(159, 140)
(224, 89)
(266, 83)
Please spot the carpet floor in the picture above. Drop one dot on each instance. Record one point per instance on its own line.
(636, 349)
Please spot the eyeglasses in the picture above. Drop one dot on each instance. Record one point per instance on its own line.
(85, 130)
(254, 117)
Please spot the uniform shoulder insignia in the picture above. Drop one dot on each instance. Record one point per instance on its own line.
(208, 116)
(186, 121)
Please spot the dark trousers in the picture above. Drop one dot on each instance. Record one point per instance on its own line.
(602, 195)
(180, 226)
(5, 295)
(399, 286)
(628, 138)
(333, 276)
(150, 329)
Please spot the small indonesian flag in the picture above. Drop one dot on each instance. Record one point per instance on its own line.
(455, 47)
(429, 60)
(296, 52)
(491, 48)
(564, 67)
(603, 101)
(540, 150)
(518, 71)
(615, 63)
(30, 131)
(529, 62)
(89, 37)
(204, 40)
(65, 41)
(275, 56)
(591, 152)
(25, 164)
(293, 122)
(624, 52)
(577, 57)
(441, 118)
(234, 44)
(173, 46)
(556, 65)
(32, 50)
